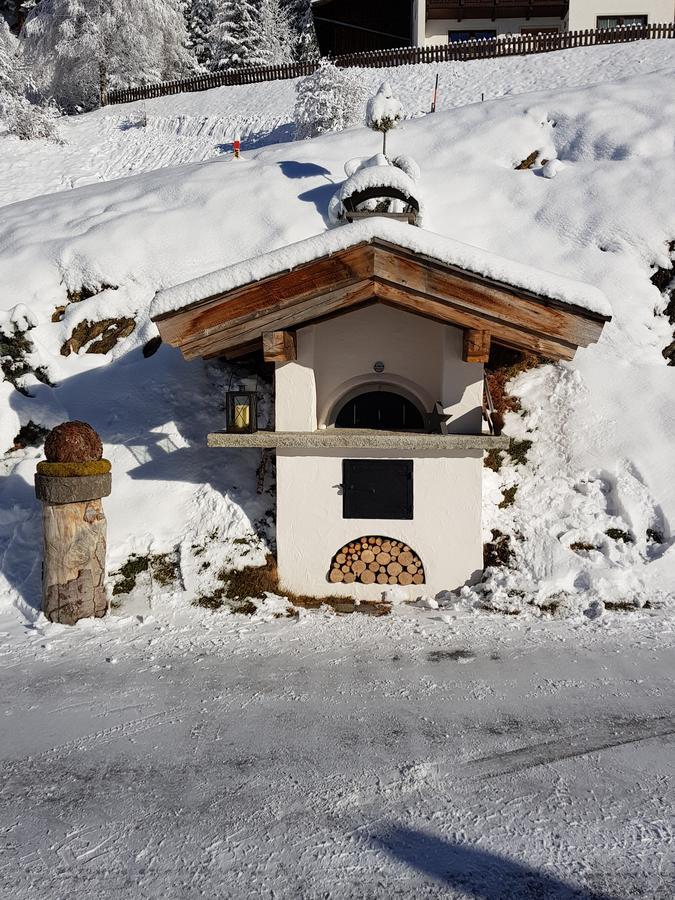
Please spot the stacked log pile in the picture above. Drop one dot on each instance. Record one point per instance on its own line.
(376, 560)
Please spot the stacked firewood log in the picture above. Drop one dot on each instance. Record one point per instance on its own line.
(376, 560)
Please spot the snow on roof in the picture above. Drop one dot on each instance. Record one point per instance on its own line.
(425, 243)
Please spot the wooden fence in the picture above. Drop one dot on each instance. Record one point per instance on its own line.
(486, 48)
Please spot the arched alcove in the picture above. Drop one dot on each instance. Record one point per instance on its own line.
(392, 405)
(382, 410)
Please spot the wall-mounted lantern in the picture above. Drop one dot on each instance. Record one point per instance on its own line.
(242, 405)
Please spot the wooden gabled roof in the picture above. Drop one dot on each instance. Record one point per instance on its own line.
(378, 271)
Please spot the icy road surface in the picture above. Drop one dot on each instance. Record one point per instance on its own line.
(202, 755)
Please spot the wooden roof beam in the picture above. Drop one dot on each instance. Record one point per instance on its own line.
(476, 346)
(279, 346)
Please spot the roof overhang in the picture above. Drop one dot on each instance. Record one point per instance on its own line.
(377, 271)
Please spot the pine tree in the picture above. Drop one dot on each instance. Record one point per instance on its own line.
(79, 46)
(200, 15)
(273, 39)
(231, 34)
(251, 33)
(306, 48)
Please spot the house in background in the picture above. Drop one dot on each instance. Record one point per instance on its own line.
(349, 26)
(440, 21)
(346, 26)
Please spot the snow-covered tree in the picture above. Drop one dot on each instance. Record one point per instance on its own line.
(273, 40)
(18, 115)
(200, 15)
(252, 33)
(384, 112)
(79, 47)
(306, 48)
(329, 100)
(231, 34)
(15, 12)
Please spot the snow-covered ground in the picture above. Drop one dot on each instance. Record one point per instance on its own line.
(415, 756)
(112, 142)
(169, 751)
(602, 427)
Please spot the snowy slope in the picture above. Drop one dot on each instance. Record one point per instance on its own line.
(112, 142)
(603, 427)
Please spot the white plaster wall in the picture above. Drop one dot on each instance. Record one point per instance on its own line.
(419, 19)
(445, 531)
(295, 389)
(437, 29)
(584, 13)
(462, 387)
(422, 359)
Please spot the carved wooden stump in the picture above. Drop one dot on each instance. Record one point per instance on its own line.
(74, 526)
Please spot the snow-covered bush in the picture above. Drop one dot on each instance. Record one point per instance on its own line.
(384, 112)
(18, 116)
(328, 100)
(79, 47)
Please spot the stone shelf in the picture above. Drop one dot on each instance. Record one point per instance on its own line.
(354, 439)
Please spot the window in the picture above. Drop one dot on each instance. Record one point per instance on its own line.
(381, 410)
(377, 488)
(455, 37)
(605, 22)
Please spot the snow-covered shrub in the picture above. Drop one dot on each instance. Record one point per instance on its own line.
(18, 116)
(328, 100)
(79, 47)
(384, 112)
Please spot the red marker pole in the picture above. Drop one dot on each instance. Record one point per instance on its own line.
(237, 147)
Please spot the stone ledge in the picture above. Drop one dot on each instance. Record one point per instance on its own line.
(354, 439)
(69, 489)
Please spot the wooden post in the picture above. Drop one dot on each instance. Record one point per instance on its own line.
(476, 346)
(279, 346)
(73, 524)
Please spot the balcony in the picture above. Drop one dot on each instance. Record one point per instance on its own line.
(495, 9)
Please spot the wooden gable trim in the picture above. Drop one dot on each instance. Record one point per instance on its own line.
(382, 272)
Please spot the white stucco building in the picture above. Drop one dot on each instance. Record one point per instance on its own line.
(378, 332)
(420, 361)
(438, 21)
